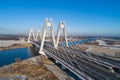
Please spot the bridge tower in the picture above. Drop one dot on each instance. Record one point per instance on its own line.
(38, 35)
(47, 24)
(61, 25)
(31, 34)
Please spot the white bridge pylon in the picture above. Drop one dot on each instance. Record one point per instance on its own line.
(49, 24)
(38, 35)
(31, 34)
(61, 26)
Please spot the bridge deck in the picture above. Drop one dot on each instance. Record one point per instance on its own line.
(80, 63)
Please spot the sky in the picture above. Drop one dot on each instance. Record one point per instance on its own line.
(84, 17)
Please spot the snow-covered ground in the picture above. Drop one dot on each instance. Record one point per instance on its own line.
(117, 45)
(89, 49)
(101, 42)
(5, 43)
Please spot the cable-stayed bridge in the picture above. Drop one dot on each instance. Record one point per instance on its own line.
(86, 66)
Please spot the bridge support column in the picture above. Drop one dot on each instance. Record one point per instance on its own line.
(38, 35)
(31, 34)
(63, 68)
(48, 23)
(56, 61)
(61, 26)
(42, 53)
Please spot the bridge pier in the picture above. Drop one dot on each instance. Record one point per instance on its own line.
(56, 61)
(43, 53)
(63, 68)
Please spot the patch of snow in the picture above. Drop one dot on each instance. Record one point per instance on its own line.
(116, 45)
(101, 42)
(89, 49)
(6, 43)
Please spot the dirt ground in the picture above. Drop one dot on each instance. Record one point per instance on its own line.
(26, 70)
(15, 46)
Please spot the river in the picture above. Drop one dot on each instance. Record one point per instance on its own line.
(9, 56)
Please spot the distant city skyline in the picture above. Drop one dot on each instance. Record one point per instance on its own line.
(84, 17)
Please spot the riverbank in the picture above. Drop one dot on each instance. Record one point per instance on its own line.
(33, 69)
(12, 44)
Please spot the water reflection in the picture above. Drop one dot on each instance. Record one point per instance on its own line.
(32, 51)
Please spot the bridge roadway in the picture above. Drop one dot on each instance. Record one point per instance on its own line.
(79, 63)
